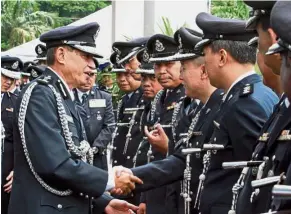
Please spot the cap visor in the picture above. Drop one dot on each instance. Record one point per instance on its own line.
(251, 23)
(253, 42)
(118, 70)
(25, 74)
(11, 74)
(130, 55)
(88, 49)
(145, 71)
(275, 48)
(200, 46)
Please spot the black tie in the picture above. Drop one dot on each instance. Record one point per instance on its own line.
(84, 98)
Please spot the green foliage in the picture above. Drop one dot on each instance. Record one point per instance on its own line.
(167, 28)
(25, 20)
(230, 9)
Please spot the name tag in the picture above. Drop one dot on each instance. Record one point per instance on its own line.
(69, 119)
(9, 109)
(95, 103)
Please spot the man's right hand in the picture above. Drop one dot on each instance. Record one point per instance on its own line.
(116, 206)
(124, 180)
(157, 138)
(142, 208)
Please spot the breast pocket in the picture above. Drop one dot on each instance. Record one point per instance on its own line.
(50, 204)
(97, 113)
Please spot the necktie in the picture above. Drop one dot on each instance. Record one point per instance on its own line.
(84, 98)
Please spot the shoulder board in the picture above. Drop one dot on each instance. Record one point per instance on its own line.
(246, 90)
(45, 80)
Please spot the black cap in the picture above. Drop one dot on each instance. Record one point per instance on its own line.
(162, 48)
(186, 39)
(254, 42)
(26, 70)
(259, 9)
(215, 28)
(11, 67)
(41, 52)
(280, 22)
(35, 71)
(117, 68)
(79, 37)
(146, 66)
(126, 50)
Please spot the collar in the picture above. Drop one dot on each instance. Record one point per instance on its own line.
(129, 95)
(65, 84)
(238, 80)
(13, 90)
(80, 94)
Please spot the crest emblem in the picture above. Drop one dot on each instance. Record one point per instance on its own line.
(34, 73)
(159, 46)
(145, 56)
(29, 64)
(39, 50)
(15, 65)
(96, 34)
(180, 42)
(117, 51)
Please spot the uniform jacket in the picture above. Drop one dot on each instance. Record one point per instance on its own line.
(50, 157)
(242, 114)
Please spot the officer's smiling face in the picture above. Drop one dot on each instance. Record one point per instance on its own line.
(126, 82)
(286, 73)
(150, 86)
(192, 76)
(78, 65)
(168, 73)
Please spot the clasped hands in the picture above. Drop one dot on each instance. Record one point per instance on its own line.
(124, 181)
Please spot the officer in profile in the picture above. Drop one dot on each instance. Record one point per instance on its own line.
(53, 160)
(10, 72)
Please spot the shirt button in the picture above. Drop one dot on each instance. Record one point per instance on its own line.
(128, 157)
(115, 161)
(139, 152)
(86, 196)
(60, 206)
(81, 194)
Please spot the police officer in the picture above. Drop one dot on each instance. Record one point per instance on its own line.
(128, 136)
(53, 171)
(275, 151)
(260, 20)
(246, 106)
(10, 71)
(25, 74)
(197, 86)
(96, 110)
(151, 87)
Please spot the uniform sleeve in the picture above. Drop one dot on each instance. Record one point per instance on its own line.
(244, 124)
(100, 203)
(47, 148)
(105, 135)
(160, 173)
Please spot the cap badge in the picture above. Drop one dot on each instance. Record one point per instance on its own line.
(159, 46)
(180, 42)
(34, 73)
(15, 65)
(145, 56)
(39, 50)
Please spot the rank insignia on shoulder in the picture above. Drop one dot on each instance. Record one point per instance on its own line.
(285, 135)
(264, 137)
(248, 89)
(45, 80)
(216, 124)
(9, 109)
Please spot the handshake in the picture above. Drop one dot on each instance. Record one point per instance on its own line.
(124, 181)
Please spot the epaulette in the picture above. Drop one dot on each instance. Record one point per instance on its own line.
(247, 89)
(45, 80)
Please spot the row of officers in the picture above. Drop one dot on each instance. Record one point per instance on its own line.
(197, 125)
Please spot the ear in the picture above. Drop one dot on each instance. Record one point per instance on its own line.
(203, 72)
(273, 35)
(60, 55)
(222, 57)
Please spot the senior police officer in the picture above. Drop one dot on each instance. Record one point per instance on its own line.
(95, 106)
(246, 99)
(197, 86)
(52, 170)
(10, 71)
